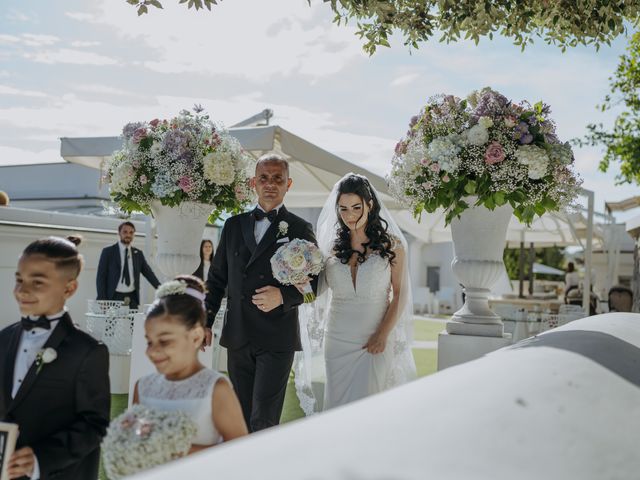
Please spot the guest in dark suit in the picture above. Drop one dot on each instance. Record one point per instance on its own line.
(206, 255)
(55, 377)
(261, 330)
(119, 269)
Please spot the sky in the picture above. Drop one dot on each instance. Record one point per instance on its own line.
(86, 67)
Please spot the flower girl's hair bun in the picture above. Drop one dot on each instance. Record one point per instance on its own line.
(182, 297)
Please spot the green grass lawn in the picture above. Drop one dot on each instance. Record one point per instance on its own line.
(425, 331)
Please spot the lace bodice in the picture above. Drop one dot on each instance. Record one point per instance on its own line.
(192, 395)
(372, 279)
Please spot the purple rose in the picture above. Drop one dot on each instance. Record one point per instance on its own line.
(494, 154)
(186, 184)
(139, 135)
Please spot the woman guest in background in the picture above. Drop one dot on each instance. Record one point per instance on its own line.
(206, 255)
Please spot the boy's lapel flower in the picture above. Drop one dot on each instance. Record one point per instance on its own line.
(45, 356)
(283, 228)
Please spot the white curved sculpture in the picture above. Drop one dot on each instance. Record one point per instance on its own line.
(179, 234)
(563, 405)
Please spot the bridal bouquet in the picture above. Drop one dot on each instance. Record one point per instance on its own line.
(295, 262)
(142, 438)
(186, 158)
(483, 146)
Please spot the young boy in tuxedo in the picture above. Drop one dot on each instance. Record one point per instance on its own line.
(55, 377)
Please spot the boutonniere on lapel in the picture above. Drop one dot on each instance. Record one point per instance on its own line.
(283, 228)
(45, 356)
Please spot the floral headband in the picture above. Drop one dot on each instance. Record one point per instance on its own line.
(178, 287)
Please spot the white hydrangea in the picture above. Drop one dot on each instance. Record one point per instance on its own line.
(155, 149)
(535, 158)
(219, 168)
(537, 171)
(477, 135)
(486, 122)
(444, 151)
(122, 176)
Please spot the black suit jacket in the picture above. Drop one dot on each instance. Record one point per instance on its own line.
(240, 266)
(109, 269)
(63, 410)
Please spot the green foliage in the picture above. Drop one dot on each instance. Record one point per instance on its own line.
(551, 256)
(623, 142)
(565, 23)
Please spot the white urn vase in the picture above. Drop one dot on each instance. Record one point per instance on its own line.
(180, 232)
(478, 242)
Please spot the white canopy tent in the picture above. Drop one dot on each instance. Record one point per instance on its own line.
(316, 170)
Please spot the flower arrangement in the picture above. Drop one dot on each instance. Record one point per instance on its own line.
(295, 262)
(186, 158)
(142, 438)
(483, 146)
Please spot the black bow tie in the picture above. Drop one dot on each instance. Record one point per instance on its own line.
(261, 215)
(42, 322)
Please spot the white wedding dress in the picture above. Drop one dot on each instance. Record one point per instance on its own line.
(355, 312)
(335, 328)
(192, 396)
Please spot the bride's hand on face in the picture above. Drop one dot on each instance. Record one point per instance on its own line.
(377, 343)
(362, 221)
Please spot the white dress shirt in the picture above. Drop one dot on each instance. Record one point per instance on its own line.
(31, 343)
(263, 225)
(205, 270)
(122, 287)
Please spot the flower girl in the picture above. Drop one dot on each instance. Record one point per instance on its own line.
(174, 330)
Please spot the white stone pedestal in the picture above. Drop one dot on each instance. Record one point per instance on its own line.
(456, 349)
(119, 366)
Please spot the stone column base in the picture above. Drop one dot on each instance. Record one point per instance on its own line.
(457, 349)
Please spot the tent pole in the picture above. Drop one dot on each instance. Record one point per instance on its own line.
(521, 266)
(532, 259)
(586, 287)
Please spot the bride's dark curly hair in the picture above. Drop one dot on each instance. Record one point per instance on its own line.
(376, 229)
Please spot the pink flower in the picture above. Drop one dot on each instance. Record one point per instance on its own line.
(424, 161)
(401, 148)
(135, 163)
(186, 184)
(154, 123)
(139, 134)
(446, 178)
(143, 179)
(434, 167)
(426, 185)
(494, 154)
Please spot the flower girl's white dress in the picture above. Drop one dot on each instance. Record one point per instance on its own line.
(191, 396)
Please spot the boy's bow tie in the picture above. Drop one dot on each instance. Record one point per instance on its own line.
(42, 322)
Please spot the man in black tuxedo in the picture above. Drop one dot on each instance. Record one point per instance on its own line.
(119, 269)
(261, 330)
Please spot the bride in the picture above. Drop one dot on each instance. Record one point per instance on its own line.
(364, 308)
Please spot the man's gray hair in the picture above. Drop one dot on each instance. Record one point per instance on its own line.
(273, 158)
